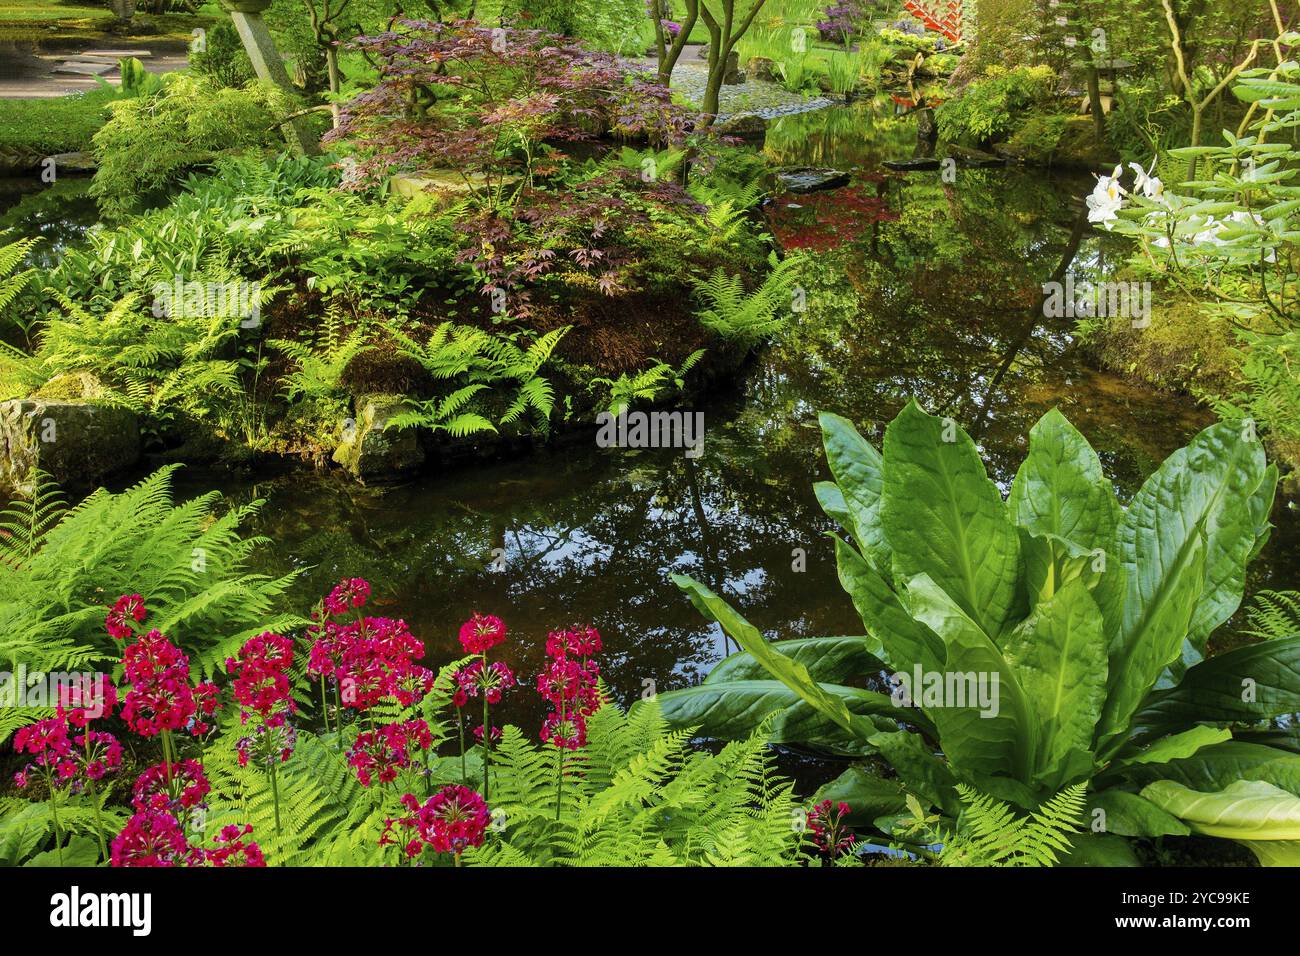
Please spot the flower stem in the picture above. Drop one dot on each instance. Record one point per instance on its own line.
(54, 813)
(460, 726)
(487, 735)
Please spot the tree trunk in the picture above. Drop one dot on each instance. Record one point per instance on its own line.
(1094, 103)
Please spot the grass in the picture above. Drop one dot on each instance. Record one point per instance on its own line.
(46, 126)
(25, 11)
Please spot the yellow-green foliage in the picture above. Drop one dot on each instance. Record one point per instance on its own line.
(151, 140)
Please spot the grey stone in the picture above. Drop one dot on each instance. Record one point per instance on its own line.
(77, 442)
(371, 451)
(807, 179)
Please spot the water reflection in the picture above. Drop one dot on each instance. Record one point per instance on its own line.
(941, 299)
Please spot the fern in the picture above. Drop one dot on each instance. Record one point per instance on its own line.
(26, 521)
(189, 563)
(648, 385)
(639, 795)
(733, 314)
(1274, 615)
(478, 364)
(989, 833)
(320, 367)
(12, 256)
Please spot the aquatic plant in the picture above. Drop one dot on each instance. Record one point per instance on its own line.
(1089, 620)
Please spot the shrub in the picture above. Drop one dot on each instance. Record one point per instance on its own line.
(151, 141)
(989, 108)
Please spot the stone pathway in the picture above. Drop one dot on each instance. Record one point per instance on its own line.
(32, 75)
(751, 98)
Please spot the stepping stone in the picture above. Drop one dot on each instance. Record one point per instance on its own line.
(118, 54)
(85, 68)
(912, 165)
(810, 180)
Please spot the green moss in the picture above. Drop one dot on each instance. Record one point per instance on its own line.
(63, 124)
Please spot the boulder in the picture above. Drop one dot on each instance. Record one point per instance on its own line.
(371, 451)
(914, 164)
(763, 68)
(808, 179)
(749, 126)
(77, 442)
(733, 75)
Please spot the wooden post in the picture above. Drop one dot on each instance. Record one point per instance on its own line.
(260, 47)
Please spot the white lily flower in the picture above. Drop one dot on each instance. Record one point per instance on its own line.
(1152, 188)
(1106, 199)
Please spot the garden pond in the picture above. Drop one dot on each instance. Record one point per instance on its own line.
(916, 287)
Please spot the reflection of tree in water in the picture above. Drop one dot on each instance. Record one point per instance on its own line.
(943, 304)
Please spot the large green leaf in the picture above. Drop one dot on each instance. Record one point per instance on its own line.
(790, 672)
(867, 795)
(922, 772)
(1127, 814)
(1060, 488)
(1212, 767)
(732, 710)
(944, 518)
(856, 467)
(1249, 683)
(975, 740)
(1175, 747)
(1058, 655)
(1247, 810)
(904, 640)
(834, 659)
(1198, 500)
(1153, 638)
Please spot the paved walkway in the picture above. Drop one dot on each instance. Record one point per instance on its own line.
(27, 74)
(751, 98)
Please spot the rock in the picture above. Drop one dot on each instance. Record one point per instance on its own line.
(703, 51)
(444, 182)
(372, 452)
(77, 442)
(807, 179)
(913, 165)
(763, 68)
(74, 162)
(733, 76)
(748, 126)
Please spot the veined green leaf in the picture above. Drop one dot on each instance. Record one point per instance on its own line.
(1174, 747)
(1127, 814)
(833, 659)
(944, 518)
(1058, 655)
(1249, 683)
(1246, 810)
(1060, 488)
(975, 741)
(904, 640)
(791, 673)
(857, 468)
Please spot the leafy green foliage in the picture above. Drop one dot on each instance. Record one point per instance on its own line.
(647, 385)
(1274, 614)
(474, 361)
(153, 139)
(990, 833)
(990, 107)
(1092, 617)
(747, 318)
(637, 795)
(59, 577)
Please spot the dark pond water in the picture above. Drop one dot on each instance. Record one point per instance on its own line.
(932, 289)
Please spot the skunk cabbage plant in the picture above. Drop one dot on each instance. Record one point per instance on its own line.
(1019, 646)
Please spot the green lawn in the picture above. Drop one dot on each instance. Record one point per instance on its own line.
(23, 11)
(59, 125)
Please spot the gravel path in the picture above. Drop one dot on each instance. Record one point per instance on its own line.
(751, 98)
